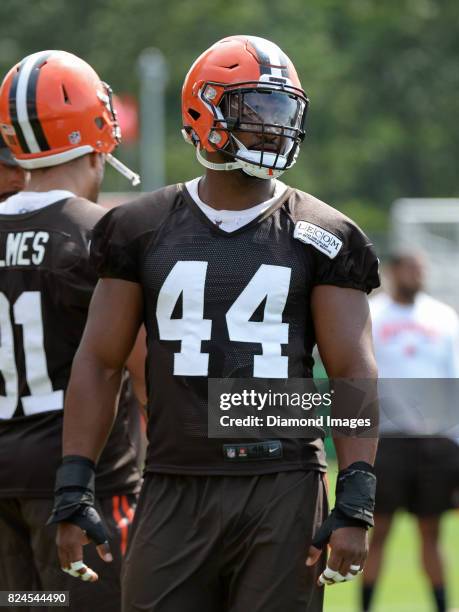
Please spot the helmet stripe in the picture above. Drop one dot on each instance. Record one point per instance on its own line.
(263, 56)
(32, 104)
(26, 108)
(14, 113)
(270, 57)
(284, 62)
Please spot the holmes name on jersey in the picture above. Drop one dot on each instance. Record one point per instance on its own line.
(23, 249)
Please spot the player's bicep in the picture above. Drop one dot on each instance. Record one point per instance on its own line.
(342, 326)
(114, 319)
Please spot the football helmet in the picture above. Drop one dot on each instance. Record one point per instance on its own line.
(54, 108)
(245, 85)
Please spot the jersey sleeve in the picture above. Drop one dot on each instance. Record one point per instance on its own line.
(114, 248)
(355, 265)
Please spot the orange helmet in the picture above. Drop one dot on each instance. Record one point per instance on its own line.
(245, 84)
(54, 108)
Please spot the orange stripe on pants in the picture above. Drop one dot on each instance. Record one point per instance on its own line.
(121, 522)
(127, 509)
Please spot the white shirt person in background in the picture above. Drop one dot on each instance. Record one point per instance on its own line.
(415, 337)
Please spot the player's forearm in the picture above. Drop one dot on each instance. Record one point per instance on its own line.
(349, 450)
(90, 407)
(356, 398)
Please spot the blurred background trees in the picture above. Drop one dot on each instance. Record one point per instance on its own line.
(382, 77)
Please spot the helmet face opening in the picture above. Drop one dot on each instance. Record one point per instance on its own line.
(269, 121)
(253, 109)
(264, 123)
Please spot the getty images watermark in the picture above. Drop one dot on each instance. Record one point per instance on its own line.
(307, 402)
(292, 408)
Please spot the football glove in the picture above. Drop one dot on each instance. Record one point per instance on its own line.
(74, 497)
(355, 501)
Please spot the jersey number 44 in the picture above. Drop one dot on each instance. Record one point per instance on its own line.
(187, 279)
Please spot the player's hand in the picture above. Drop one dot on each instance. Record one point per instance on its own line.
(70, 540)
(78, 520)
(349, 549)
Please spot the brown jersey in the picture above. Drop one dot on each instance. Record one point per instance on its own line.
(219, 304)
(46, 283)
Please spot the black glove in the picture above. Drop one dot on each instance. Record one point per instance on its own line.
(355, 502)
(74, 497)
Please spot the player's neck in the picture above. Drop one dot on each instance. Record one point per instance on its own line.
(66, 179)
(233, 190)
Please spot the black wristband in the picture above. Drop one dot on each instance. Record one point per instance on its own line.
(75, 472)
(360, 465)
(74, 488)
(79, 459)
(356, 491)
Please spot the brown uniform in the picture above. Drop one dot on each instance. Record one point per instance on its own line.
(46, 283)
(214, 533)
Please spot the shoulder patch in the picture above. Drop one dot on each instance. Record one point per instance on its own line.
(326, 242)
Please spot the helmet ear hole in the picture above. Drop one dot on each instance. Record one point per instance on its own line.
(194, 113)
(99, 122)
(66, 95)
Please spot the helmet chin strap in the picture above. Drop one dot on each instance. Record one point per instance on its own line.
(212, 166)
(250, 168)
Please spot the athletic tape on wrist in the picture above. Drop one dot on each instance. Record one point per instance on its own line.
(356, 491)
(78, 472)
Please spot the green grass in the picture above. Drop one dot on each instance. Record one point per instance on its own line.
(402, 587)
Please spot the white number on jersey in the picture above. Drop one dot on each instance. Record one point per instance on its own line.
(272, 283)
(187, 279)
(27, 312)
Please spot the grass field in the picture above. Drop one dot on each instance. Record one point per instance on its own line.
(402, 587)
